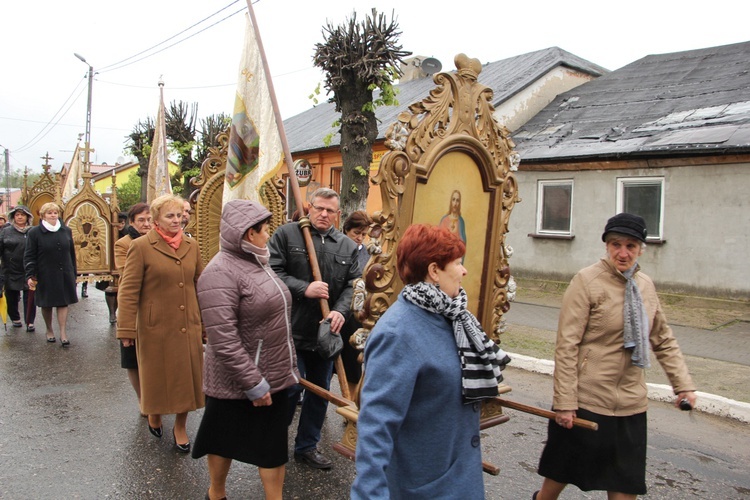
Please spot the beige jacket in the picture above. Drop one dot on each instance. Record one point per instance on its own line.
(121, 252)
(593, 370)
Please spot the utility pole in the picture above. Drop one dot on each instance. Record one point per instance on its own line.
(87, 147)
(7, 180)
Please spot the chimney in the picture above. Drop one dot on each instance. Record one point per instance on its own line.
(412, 69)
(418, 67)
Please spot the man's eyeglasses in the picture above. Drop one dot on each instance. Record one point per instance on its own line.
(322, 209)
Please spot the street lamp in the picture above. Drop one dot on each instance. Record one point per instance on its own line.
(86, 164)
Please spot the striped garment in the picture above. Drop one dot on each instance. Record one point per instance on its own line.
(482, 361)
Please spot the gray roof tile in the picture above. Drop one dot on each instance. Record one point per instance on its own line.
(695, 101)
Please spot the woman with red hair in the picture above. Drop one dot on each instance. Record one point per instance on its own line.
(426, 361)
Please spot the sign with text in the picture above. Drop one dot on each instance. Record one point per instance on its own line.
(303, 171)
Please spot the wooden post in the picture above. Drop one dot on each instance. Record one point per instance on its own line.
(304, 222)
(540, 412)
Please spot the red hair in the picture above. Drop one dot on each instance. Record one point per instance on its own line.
(423, 244)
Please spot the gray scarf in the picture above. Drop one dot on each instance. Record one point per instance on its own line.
(635, 332)
(21, 229)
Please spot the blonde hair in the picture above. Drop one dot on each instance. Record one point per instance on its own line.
(48, 207)
(163, 201)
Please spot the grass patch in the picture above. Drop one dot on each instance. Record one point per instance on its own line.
(529, 342)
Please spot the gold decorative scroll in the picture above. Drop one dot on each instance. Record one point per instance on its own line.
(207, 200)
(456, 116)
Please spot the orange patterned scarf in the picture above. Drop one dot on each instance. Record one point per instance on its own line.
(172, 241)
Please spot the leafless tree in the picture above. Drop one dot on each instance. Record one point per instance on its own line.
(358, 58)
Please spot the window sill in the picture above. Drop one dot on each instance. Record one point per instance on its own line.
(551, 236)
(655, 242)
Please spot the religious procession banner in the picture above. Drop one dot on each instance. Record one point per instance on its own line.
(255, 150)
(74, 173)
(158, 162)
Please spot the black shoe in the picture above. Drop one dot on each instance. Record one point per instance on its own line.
(181, 448)
(17, 324)
(314, 459)
(51, 340)
(156, 431)
(30, 328)
(64, 343)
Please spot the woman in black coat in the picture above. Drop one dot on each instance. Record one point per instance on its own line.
(12, 248)
(50, 264)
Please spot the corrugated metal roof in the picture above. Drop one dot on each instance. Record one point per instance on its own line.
(696, 101)
(506, 78)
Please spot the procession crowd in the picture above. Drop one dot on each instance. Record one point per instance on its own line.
(237, 337)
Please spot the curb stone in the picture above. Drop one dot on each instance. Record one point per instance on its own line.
(707, 403)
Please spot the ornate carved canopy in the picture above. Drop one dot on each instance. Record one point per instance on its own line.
(448, 142)
(446, 150)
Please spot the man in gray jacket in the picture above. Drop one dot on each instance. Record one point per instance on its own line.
(337, 258)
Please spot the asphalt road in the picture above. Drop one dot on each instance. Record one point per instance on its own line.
(70, 428)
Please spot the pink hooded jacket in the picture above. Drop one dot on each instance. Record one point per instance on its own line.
(246, 311)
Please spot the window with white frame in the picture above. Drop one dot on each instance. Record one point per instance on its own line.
(643, 196)
(554, 208)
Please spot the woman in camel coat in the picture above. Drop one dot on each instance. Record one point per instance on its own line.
(158, 310)
(140, 224)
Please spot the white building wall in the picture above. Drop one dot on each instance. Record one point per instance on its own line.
(523, 106)
(706, 228)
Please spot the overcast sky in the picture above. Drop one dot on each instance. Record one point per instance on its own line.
(44, 90)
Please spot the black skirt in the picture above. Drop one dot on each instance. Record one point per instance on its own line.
(234, 428)
(128, 357)
(612, 458)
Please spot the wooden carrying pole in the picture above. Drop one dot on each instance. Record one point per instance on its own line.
(540, 412)
(304, 222)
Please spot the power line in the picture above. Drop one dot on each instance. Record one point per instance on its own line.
(196, 87)
(42, 133)
(119, 65)
(98, 127)
(151, 87)
(123, 63)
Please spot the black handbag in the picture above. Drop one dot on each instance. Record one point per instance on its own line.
(329, 344)
(102, 285)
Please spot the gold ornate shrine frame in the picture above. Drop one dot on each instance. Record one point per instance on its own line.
(46, 189)
(93, 224)
(447, 141)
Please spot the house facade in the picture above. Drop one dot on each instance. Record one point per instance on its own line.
(521, 86)
(666, 137)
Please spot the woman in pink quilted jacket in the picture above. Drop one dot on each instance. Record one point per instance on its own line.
(250, 359)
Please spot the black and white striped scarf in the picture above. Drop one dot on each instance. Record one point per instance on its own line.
(481, 359)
